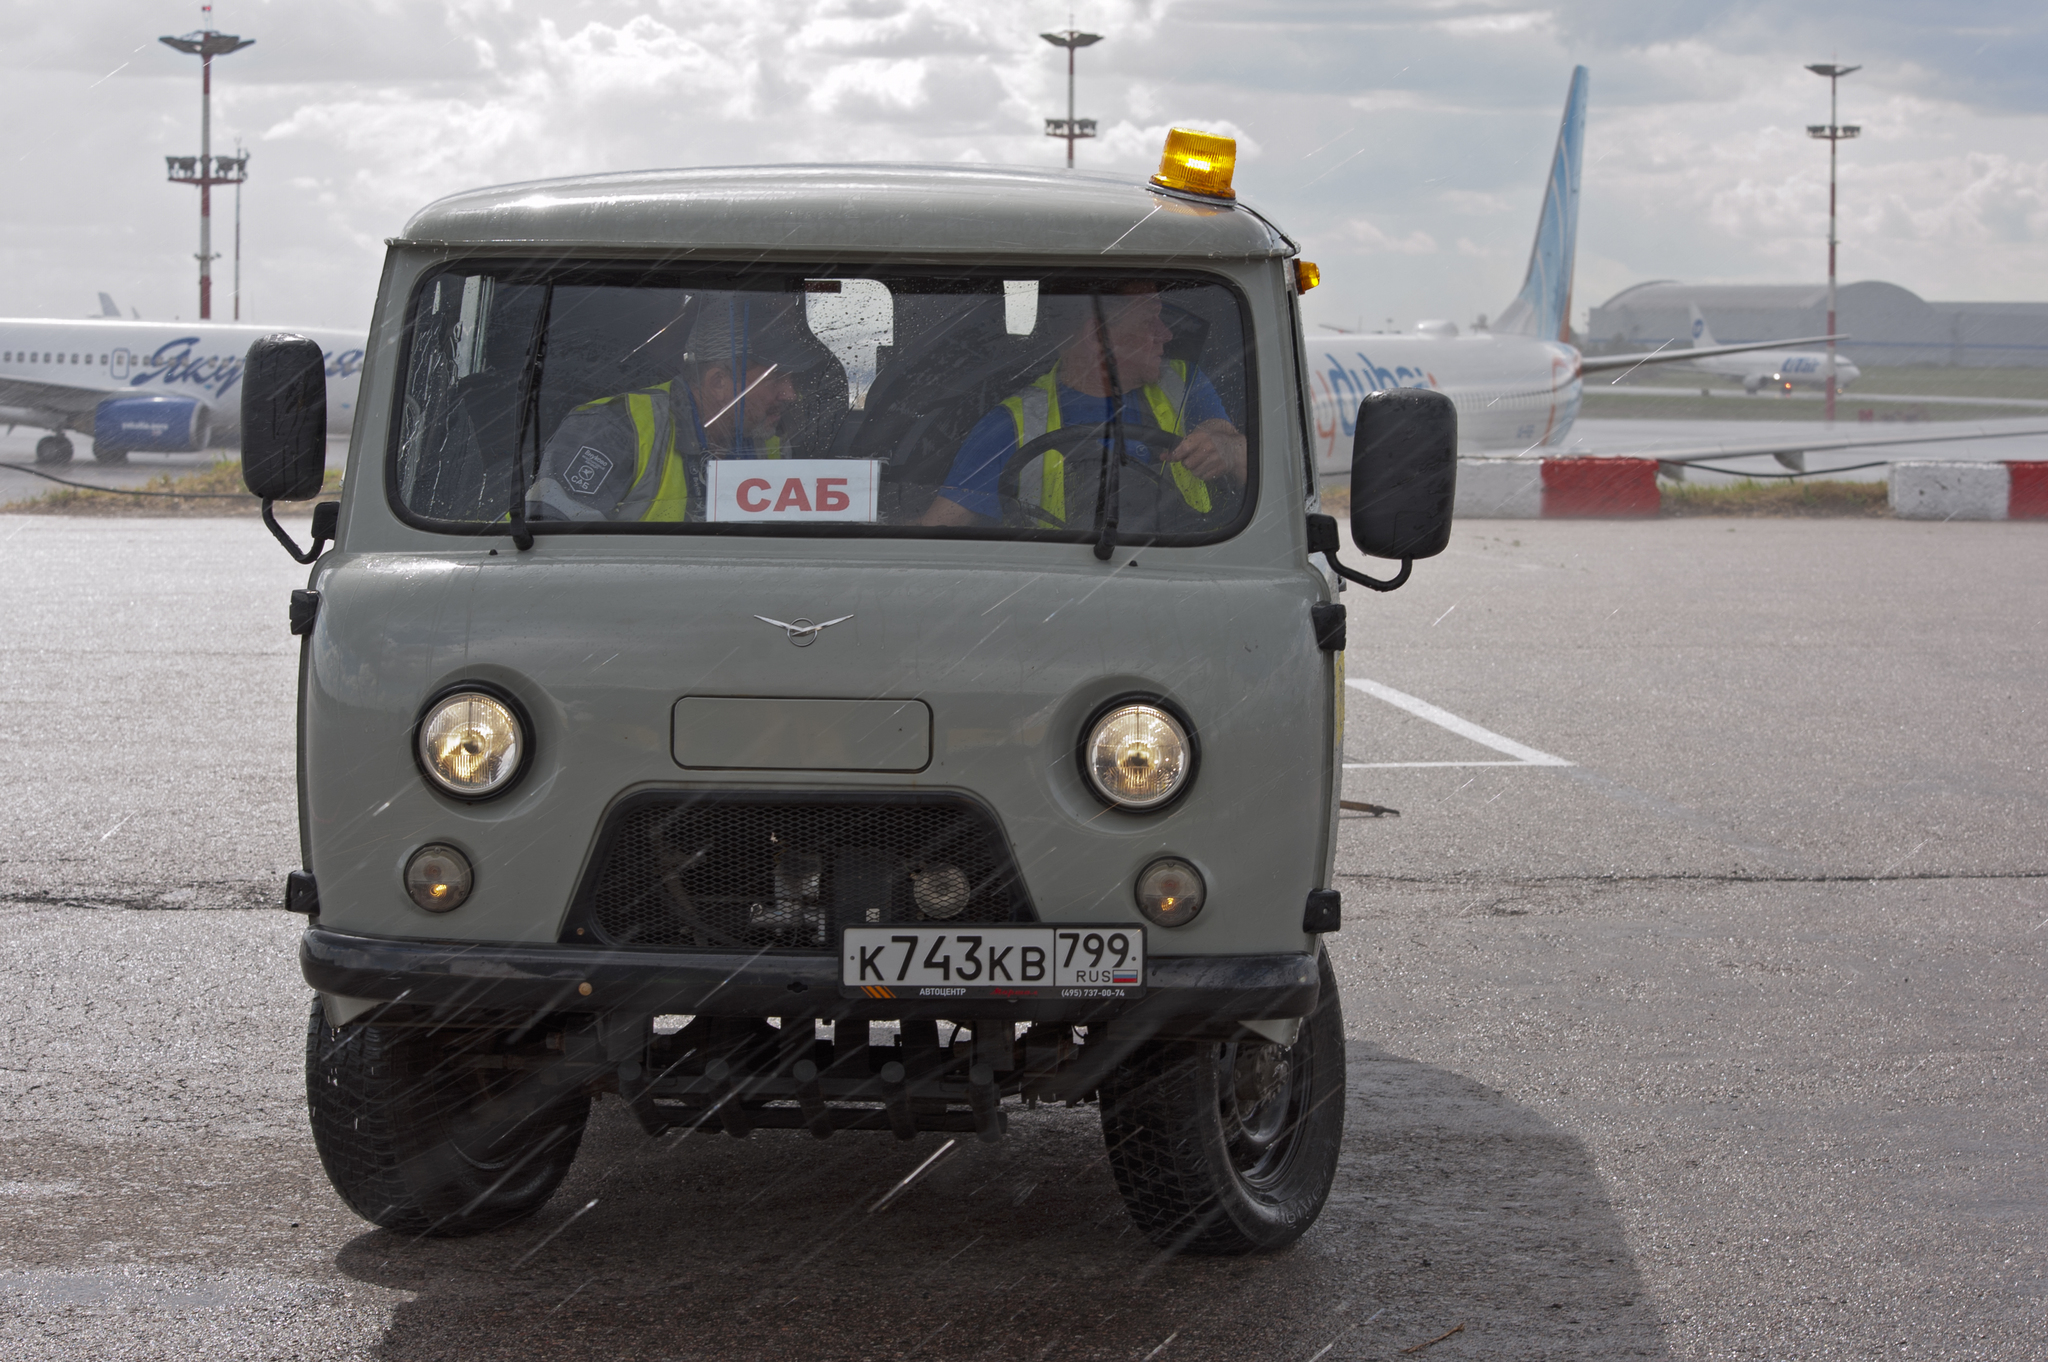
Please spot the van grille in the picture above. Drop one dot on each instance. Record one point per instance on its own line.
(769, 872)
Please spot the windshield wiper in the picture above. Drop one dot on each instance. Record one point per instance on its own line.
(1109, 492)
(529, 419)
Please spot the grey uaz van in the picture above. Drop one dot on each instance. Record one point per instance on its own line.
(830, 649)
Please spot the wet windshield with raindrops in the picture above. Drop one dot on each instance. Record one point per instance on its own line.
(595, 398)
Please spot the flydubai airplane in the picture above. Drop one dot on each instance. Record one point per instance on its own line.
(1517, 387)
(1782, 370)
(145, 387)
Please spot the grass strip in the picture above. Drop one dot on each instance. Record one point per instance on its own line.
(224, 477)
(1751, 498)
(1820, 498)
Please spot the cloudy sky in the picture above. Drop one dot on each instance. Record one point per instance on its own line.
(1403, 143)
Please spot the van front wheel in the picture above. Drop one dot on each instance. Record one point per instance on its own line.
(1229, 1148)
(417, 1140)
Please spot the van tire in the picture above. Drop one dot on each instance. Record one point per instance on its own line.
(1200, 1172)
(400, 1129)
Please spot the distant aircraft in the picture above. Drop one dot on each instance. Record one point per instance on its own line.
(145, 387)
(1517, 387)
(1783, 370)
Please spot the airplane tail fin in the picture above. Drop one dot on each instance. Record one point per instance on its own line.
(1544, 306)
(107, 308)
(1702, 337)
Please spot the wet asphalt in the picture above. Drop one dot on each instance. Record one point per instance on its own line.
(1725, 1040)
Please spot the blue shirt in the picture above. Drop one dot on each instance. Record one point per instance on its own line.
(979, 464)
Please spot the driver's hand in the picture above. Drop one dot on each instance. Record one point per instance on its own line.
(1213, 449)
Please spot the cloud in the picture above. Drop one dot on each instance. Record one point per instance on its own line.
(1472, 203)
(1416, 130)
(1369, 237)
(1512, 21)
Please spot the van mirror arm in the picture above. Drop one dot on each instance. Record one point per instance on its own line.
(325, 516)
(1322, 538)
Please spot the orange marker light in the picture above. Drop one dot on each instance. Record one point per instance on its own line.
(1306, 275)
(1198, 163)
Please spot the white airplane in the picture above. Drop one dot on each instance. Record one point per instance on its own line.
(145, 387)
(1783, 370)
(1518, 386)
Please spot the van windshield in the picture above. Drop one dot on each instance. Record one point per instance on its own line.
(995, 404)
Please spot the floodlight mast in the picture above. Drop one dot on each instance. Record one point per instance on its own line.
(1833, 132)
(207, 170)
(1070, 127)
(241, 159)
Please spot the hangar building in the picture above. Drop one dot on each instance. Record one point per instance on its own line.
(1885, 324)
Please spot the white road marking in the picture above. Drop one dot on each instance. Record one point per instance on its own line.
(1387, 765)
(1422, 709)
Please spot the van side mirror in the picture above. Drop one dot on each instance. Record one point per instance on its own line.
(1404, 473)
(1404, 477)
(284, 418)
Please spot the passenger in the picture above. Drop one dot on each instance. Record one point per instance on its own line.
(640, 456)
(1207, 466)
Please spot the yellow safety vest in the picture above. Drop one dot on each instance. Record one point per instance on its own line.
(1036, 411)
(662, 494)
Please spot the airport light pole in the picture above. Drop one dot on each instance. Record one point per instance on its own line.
(206, 170)
(1833, 132)
(241, 174)
(1070, 127)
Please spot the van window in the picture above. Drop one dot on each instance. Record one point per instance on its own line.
(607, 399)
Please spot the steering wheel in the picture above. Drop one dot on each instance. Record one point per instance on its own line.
(1085, 438)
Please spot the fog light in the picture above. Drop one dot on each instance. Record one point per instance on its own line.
(438, 877)
(940, 890)
(1171, 892)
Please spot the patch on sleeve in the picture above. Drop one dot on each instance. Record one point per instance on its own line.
(586, 472)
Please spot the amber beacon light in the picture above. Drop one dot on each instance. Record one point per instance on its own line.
(1198, 163)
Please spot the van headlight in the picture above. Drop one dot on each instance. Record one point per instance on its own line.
(1138, 756)
(471, 744)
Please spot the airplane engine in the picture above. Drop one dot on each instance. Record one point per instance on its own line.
(152, 425)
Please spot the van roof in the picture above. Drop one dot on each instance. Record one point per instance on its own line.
(866, 210)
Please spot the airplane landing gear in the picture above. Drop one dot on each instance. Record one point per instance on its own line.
(109, 456)
(53, 451)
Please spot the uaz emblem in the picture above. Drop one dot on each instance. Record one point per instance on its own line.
(802, 632)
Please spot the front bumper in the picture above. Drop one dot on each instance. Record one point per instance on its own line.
(1184, 994)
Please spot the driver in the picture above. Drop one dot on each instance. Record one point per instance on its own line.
(641, 455)
(1207, 464)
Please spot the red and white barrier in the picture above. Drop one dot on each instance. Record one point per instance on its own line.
(1526, 489)
(2016, 490)
(1531, 489)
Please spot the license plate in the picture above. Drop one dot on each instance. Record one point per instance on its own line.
(993, 962)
